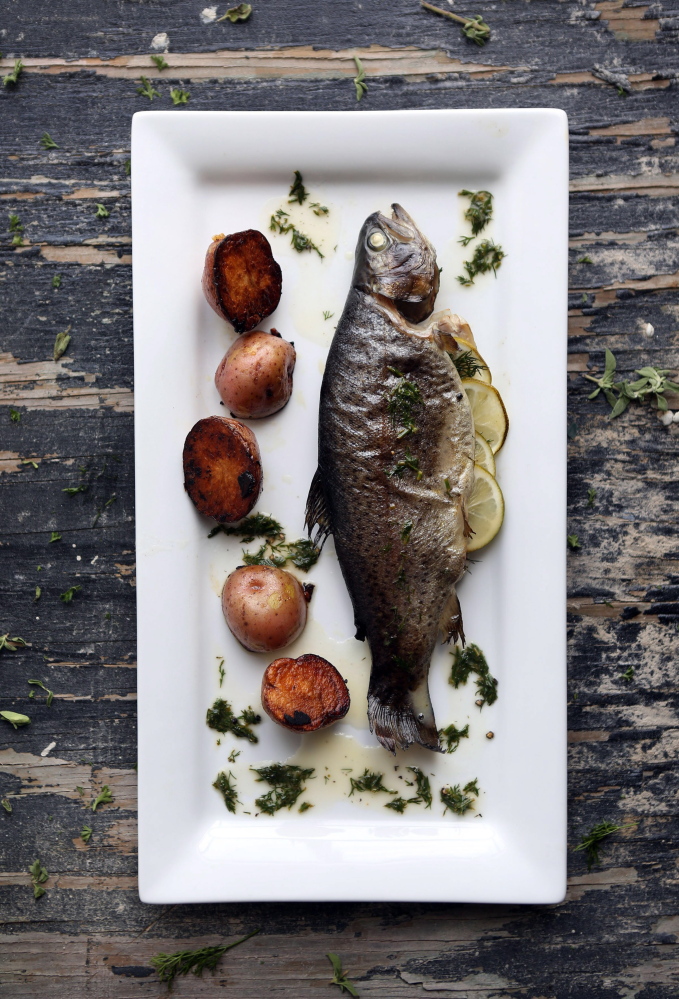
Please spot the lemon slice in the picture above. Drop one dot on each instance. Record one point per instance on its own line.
(468, 357)
(484, 455)
(485, 510)
(488, 412)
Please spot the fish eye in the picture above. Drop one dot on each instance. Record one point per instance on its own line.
(377, 240)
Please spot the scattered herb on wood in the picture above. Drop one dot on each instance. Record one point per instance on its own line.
(328, 315)
(86, 834)
(591, 840)
(479, 213)
(12, 78)
(103, 798)
(473, 28)
(67, 595)
(56, 281)
(405, 464)
(127, 167)
(38, 594)
(55, 537)
(12, 644)
(73, 490)
(298, 192)
(401, 400)
(653, 382)
(573, 541)
(221, 718)
(15, 224)
(47, 142)
(102, 212)
(318, 209)
(339, 977)
(460, 800)
(160, 62)
(359, 80)
(591, 496)
(302, 553)
(50, 694)
(628, 675)
(180, 96)
(101, 509)
(61, 343)
(223, 784)
(287, 783)
(451, 736)
(28, 461)
(15, 719)
(467, 364)
(147, 89)
(368, 781)
(38, 877)
(259, 525)
(486, 257)
(234, 14)
(423, 787)
(472, 660)
(7, 805)
(298, 240)
(585, 260)
(14, 415)
(181, 962)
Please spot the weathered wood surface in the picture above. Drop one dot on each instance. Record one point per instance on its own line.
(616, 933)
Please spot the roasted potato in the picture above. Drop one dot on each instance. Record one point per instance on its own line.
(264, 607)
(222, 468)
(241, 280)
(304, 694)
(254, 377)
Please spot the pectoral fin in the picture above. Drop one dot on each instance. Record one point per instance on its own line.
(450, 625)
(317, 514)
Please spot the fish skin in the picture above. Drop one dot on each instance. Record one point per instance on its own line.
(402, 585)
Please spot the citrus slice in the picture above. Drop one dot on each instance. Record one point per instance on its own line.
(485, 510)
(469, 362)
(488, 412)
(484, 455)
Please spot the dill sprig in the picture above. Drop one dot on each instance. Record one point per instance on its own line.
(221, 718)
(401, 400)
(181, 962)
(298, 192)
(591, 840)
(103, 798)
(405, 464)
(423, 787)
(298, 240)
(339, 977)
(653, 382)
(47, 142)
(259, 525)
(460, 800)
(486, 257)
(467, 364)
(473, 28)
(450, 737)
(368, 781)
(303, 553)
(479, 213)
(359, 80)
(287, 783)
(222, 783)
(147, 89)
(472, 660)
(318, 209)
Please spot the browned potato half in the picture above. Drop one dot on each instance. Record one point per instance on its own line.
(254, 378)
(222, 468)
(241, 280)
(265, 607)
(304, 694)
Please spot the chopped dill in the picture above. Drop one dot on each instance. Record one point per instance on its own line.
(401, 400)
(221, 718)
(222, 783)
(327, 315)
(222, 671)
(423, 787)
(405, 464)
(460, 800)
(47, 142)
(318, 209)
(12, 78)
(451, 736)
(302, 553)
(233, 755)
(298, 192)
(181, 962)
(486, 257)
(73, 490)
(479, 213)
(359, 80)
(305, 806)
(398, 804)
(590, 841)
(339, 978)
(287, 783)
(67, 595)
(259, 525)
(628, 675)
(103, 798)
(472, 660)
(39, 683)
(467, 364)
(368, 781)
(298, 240)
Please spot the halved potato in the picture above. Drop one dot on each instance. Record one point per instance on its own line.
(241, 280)
(222, 468)
(304, 694)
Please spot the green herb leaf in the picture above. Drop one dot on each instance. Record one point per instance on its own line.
(127, 167)
(7, 805)
(233, 755)
(61, 343)
(15, 719)
(102, 212)
(56, 281)
(55, 537)
(298, 241)
(459, 800)
(480, 211)
(305, 806)
(328, 315)
(591, 840)
(473, 28)
(14, 415)
(147, 89)
(405, 464)
(359, 80)
(38, 877)
(86, 834)
(339, 977)
(160, 63)
(287, 783)
(73, 490)
(368, 781)
(27, 461)
(14, 224)
(472, 660)
(180, 96)
(573, 541)
(12, 77)
(424, 795)
(67, 595)
(486, 257)
(259, 525)
(227, 790)
(103, 798)
(47, 142)
(181, 962)
(39, 683)
(298, 192)
(221, 718)
(451, 736)
(585, 260)
(591, 496)
(628, 675)
(12, 644)
(234, 14)
(318, 209)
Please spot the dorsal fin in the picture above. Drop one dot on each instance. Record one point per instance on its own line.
(317, 514)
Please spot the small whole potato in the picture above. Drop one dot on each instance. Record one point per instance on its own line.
(254, 377)
(264, 607)
(304, 694)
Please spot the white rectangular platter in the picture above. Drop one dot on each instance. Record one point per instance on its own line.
(195, 174)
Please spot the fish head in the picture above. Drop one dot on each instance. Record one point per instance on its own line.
(395, 260)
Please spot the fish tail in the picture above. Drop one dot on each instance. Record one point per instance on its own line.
(400, 725)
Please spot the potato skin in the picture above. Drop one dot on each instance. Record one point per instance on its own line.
(304, 694)
(222, 469)
(254, 378)
(264, 607)
(241, 280)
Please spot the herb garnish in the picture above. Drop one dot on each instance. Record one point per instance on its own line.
(233, 755)
(653, 382)
(55, 537)
(180, 96)
(12, 644)
(159, 60)
(102, 212)
(401, 400)
(359, 80)
(423, 787)
(38, 877)
(318, 209)
(407, 463)
(47, 142)
(399, 804)
(451, 736)
(628, 675)
(73, 490)
(50, 694)
(328, 315)
(61, 343)
(479, 213)
(16, 227)
(28, 461)
(298, 192)
(585, 260)
(339, 977)
(14, 415)
(56, 281)
(590, 841)
(467, 364)
(486, 257)
(13, 76)
(7, 805)
(240, 13)
(15, 719)
(460, 800)
(221, 718)
(86, 833)
(298, 240)
(302, 553)
(573, 541)
(472, 660)
(169, 966)
(103, 798)
(147, 89)
(287, 783)
(473, 28)
(68, 594)
(259, 525)
(368, 781)
(228, 791)
(222, 671)
(591, 496)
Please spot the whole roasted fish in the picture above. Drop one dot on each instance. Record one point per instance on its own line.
(396, 470)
